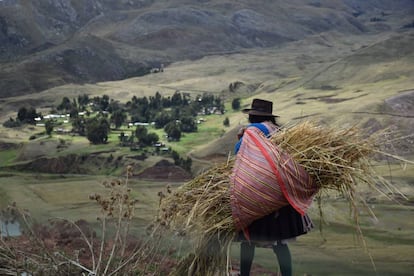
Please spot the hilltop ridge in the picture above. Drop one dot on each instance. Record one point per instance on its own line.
(47, 44)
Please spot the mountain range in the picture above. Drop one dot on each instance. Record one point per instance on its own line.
(44, 44)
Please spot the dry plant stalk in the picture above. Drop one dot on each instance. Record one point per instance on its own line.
(334, 158)
(32, 255)
(202, 209)
(337, 160)
(44, 251)
(203, 200)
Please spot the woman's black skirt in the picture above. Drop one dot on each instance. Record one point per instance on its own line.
(286, 223)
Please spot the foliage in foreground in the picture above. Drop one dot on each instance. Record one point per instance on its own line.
(74, 248)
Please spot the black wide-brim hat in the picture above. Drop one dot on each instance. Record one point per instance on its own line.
(260, 108)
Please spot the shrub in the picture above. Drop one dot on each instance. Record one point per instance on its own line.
(11, 123)
(66, 247)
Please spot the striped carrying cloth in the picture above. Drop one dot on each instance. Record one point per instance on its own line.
(264, 179)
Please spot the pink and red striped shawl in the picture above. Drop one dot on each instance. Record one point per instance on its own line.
(264, 179)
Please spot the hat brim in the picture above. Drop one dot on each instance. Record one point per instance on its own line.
(258, 113)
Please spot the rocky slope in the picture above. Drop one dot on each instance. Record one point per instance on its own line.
(49, 43)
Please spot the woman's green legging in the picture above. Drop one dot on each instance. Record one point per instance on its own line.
(282, 253)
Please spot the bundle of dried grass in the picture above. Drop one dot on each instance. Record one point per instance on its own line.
(201, 210)
(337, 159)
(200, 202)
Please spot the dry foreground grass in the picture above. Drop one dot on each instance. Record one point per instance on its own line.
(275, 75)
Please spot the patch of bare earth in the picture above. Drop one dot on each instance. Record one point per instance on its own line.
(165, 170)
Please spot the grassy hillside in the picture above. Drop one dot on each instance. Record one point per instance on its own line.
(321, 78)
(331, 78)
(49, 44)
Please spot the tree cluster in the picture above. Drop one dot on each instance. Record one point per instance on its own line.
(93, 118)
(25, 115)
(175, 114)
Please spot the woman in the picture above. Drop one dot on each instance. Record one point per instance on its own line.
(275, 229)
